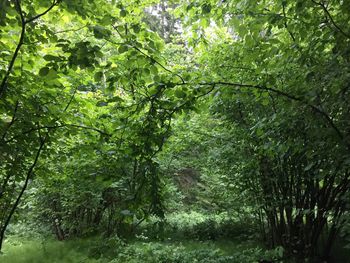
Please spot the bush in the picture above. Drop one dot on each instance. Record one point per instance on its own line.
(198, 226)
(106, 247)
(206, 230)
(160, 253)
(229, 228)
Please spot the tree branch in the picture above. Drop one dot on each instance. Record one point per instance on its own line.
(71, 30)
(87, 128)
(70, 100)
(331, 18)
(3, 84)
(285, 22)
(24, 187)
(158, 63)
(29, 20)
(24, 22)
(57, 127)
(315, 108)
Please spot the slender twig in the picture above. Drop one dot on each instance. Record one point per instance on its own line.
(57, 127)
(71, 99)
(87, 128)
(29, 20)
(196, 97)
(285, 22)
(71, 30)
(158, 63)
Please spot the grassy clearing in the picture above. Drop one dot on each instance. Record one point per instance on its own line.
(184, 238)
(19, 250)
(36, 251)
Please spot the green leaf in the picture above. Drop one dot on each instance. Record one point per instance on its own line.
(265, 102)
(98, 76)
(101, 32)
(123, 13)
(52, 74)
(146, 71)
(51, 58)
(154, 70)
(259, 132)
(206, 8)
(308, 167)
(180, 93)
(204, 22)
(122, 49)
(44, 71)
(136, 28)
(126, 212)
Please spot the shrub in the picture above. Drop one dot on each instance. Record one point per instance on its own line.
(106, 247)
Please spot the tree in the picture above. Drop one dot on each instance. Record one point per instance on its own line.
(74, 71)
(55, 51)
(297, 110)
(100, 90)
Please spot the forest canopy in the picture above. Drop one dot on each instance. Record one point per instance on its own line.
(156, 120)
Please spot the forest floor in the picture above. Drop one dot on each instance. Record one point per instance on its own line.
(185, 238)
(23, 250)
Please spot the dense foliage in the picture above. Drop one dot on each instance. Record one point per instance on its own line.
(116, 116)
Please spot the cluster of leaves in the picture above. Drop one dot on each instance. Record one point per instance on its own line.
(161, 253)
(283, 88)
(85, 99)
(199, 227)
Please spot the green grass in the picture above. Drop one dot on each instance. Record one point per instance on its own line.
(36, 251)
(179, 242)
(19, 250)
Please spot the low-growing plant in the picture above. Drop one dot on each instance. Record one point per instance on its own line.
(106, 247)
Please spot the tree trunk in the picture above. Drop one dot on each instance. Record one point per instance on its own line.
(24, 187)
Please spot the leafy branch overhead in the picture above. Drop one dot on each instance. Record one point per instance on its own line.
(117, 116)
